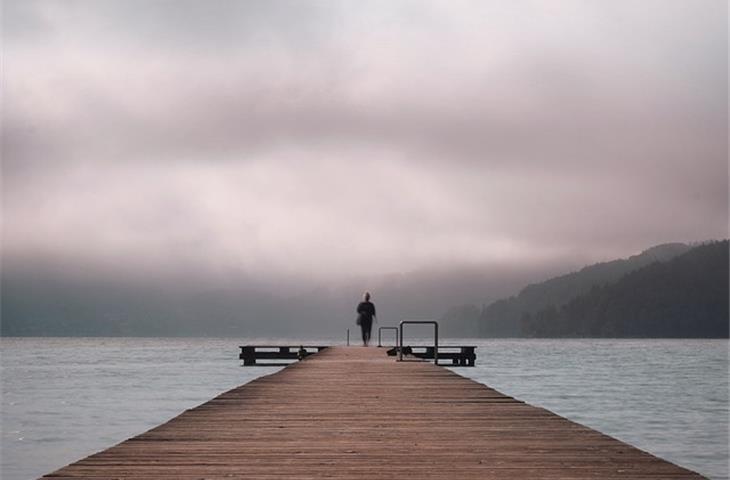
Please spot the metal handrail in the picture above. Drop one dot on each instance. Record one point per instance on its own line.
(435, 337)
(380, 329)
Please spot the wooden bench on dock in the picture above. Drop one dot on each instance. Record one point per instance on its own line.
(460, 356)
(354, 413)
(250, 354)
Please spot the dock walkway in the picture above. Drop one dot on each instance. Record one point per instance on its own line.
(355, 413)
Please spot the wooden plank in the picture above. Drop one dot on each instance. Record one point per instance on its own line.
(355, 413)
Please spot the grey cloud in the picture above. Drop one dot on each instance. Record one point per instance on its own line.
(288, 137)
(166, 24)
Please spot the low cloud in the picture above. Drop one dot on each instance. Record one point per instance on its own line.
(329, 140)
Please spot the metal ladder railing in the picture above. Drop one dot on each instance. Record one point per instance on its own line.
(435, 337)
(380, 331)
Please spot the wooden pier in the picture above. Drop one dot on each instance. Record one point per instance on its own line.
(355, 413)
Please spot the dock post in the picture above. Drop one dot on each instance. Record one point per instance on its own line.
(348, 337)
(436, 343)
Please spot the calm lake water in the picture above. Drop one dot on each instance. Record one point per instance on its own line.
(65, 398)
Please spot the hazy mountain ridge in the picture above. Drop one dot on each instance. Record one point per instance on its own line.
(502, 318)
(686, 296)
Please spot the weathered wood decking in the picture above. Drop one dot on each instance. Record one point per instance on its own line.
(354, 413)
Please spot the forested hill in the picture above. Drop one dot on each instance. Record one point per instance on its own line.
(683, 297)
(502, 318)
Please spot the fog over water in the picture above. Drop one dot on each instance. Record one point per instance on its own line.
(297, 153)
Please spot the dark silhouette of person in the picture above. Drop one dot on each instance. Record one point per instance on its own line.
(365, 315)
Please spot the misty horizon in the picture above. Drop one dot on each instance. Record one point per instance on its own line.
(59, 302)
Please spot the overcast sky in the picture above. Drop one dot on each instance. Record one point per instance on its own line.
(318, 139)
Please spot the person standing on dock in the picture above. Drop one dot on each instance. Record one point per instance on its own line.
(365, 315)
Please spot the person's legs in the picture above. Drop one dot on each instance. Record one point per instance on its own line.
(365, 334)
